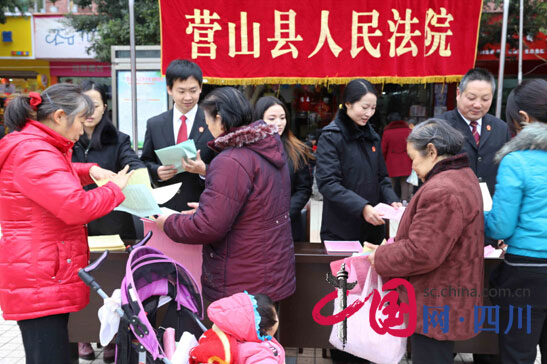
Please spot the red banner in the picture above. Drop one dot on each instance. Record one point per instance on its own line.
(322, 41)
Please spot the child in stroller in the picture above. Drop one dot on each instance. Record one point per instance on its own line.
(242, 333)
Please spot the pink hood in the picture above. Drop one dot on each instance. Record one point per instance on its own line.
(236, 316)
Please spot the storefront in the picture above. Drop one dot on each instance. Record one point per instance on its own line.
(20, 72)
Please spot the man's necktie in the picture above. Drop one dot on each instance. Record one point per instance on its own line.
(182, 135)
(476, 135)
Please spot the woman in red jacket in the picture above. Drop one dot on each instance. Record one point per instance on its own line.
(43, 212)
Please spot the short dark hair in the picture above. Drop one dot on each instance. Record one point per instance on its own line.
(529, 96)
(477, 74)
(99, 87)
(356, 89)
(266, 310)
(446, 139)
(230, 104)
(181, 69)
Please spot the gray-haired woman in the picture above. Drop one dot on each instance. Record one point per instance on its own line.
(439, 244)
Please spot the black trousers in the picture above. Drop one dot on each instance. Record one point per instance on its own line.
(426, 350)
(521, 285)
(519, 347)
(46, 339)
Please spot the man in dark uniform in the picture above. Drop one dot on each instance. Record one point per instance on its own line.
(484, 134)
(185, 121)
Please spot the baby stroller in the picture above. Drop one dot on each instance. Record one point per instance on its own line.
(152, 280)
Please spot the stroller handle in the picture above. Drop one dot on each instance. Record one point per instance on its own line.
(143, 242)
(84, 273)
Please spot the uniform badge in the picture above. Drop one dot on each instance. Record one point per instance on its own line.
(488, 127)
(201, 129)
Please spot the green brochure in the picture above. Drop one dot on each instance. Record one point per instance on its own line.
(174, 154)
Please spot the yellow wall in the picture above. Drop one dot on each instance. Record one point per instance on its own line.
(21, 35)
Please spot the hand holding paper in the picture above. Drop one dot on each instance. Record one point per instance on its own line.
(138, 194)
(166, 172)
(98, 173)
(372, 216)
(389, 212)
(174, 154)
(194, 166)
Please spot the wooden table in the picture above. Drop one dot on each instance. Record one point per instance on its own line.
(297, 327)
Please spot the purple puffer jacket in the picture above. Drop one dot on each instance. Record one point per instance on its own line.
(243, 217)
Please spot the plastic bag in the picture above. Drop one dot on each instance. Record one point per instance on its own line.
(413, 178)
(109, 317)
(362, 340)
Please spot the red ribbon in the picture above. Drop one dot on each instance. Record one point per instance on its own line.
(35, 100)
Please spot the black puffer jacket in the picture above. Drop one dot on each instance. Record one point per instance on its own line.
(111, 151)
(351, 173)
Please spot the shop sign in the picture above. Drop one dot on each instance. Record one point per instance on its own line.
(16, 41)
(54, 38)
(80, 69)
(322, 41)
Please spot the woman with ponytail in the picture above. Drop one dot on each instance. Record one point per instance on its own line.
(43, 212)
(273, 111)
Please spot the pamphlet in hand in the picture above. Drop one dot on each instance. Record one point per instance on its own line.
(389, 212)
(174, 154)
(139, 200)
(165, 193)
(486, 197)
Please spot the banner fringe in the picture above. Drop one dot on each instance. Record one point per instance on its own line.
(330, 80)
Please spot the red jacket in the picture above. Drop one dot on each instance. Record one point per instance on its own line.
(398, 162)
(439, 248)
(243, 217)
(43, 209)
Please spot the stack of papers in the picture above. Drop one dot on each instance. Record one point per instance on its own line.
(389, 212)
(339, 247)
(174, 154)
(105, 242)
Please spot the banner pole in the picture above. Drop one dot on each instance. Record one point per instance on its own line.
(133, 75)
(502, 57)
(521, 17)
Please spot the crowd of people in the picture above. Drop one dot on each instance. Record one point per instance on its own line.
(242, 198)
